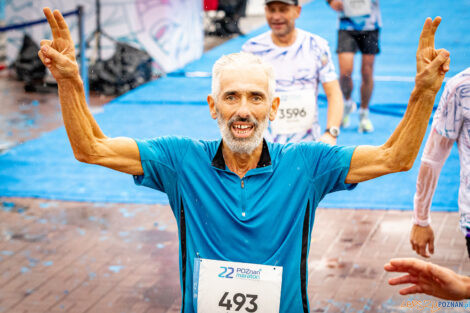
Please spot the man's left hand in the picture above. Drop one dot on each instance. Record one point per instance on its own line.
(431, 64)
(327, 138)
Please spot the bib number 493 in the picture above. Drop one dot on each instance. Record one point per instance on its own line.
(239, 300)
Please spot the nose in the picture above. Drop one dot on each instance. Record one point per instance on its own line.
(276, 15)
(244, 108)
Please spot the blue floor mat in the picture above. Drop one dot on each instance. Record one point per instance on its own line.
(402, 22)
(46, 168)
(175, 105)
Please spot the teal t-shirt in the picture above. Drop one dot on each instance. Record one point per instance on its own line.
(266, 217)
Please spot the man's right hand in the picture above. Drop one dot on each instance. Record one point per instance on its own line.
(58, 55)
(336, 5)
(420, 238)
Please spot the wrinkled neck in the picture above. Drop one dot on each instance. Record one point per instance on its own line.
(241, 163)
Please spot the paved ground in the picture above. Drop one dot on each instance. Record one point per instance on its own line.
(98, 257)
(58, 256)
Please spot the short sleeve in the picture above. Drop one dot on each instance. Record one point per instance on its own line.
(246, 47)
(259, 45)
(160, 160)
(448, 118)
(328, 167)
(327, 72)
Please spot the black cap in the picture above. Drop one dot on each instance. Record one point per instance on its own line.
(292, 2)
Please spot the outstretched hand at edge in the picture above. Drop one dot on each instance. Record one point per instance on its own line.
(428, 278)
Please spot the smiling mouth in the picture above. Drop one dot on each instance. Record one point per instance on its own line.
(277, 25)
(242, 130)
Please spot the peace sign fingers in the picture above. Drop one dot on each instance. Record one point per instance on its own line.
(63, 27)
(58, 54)
(426, 40)
(52, 23)
(57, 24)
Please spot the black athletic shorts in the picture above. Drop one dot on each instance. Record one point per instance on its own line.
(366, 41)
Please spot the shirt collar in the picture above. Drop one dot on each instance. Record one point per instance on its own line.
(264, 160)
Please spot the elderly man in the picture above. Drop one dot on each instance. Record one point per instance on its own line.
(245, 208)
(301, 61)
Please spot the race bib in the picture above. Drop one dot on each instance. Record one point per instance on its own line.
(221, 287)
(354, 8)
(296, 113)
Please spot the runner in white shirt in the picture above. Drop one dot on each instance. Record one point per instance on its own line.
(301, 61)
(451, 123)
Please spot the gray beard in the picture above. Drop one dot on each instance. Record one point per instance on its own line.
(242, 145)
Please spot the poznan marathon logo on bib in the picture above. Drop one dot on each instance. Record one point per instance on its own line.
(239, 272)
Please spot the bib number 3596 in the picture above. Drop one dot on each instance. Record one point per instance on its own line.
(222, 287)
(297, 112)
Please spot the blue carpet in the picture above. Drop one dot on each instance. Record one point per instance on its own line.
(175, 105)
(46, 168)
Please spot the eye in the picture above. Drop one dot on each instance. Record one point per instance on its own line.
(257, 98)
(230, 98)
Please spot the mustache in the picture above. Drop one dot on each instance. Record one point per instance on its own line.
(238, 118)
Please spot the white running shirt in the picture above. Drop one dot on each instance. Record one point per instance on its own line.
(452, 120)
(299, 66)
(372, 21)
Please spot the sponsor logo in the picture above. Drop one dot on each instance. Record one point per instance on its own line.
(239, 272)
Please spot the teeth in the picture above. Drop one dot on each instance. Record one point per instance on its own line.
(242, 126)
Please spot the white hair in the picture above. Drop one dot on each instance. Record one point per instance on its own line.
(237, 60)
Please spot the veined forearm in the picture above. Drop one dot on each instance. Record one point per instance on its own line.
(406, 140)
(88, 142)
(82, 129)
(401, 149)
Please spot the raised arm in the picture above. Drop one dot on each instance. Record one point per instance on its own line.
(400, 150)
(88, 142)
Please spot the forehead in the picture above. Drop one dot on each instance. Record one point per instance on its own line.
(244, 78)
(280, 6)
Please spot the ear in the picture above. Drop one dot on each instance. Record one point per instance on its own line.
(212, 110)
(274, 107)
(298, 9)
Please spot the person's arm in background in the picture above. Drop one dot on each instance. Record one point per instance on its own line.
(88, 142)
(435, 153)
(329, 79)
(428, 278)
(335, 109)
(336, 5)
